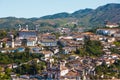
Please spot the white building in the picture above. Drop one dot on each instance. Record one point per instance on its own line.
(63, 70)
(48, 43)
(107, 31)
(112, 25)
(47, 54)
(31, 43)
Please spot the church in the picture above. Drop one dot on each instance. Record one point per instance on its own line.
(28, 37)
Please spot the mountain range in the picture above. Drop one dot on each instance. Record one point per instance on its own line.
(83, 17)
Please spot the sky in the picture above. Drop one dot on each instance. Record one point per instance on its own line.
(38, 8)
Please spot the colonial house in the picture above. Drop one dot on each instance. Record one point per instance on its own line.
(117, 35)
(109, 61)
(56, 71)
(71, 43)
(111, 40)
(115, 56)
(47, 54)
(55, 50)
(73, 57)
(112, 25)
(63, 30)
(68, 50)
(18, 42)
(31, 42)
(25, 33)
(37, 49)
(3, 51)
(109, 32)
(63, 70)
(62, 42)
(79, 38)
(66, 37)
(28, 37)
(102, 38)
(99, 62)
(48, 42)
(8, 44)
(72, 74)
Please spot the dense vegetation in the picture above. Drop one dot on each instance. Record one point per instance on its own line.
(26, 64)
(6, 75)
(17, 57)
(117, 43)
(108, 71)
(3, 33)
(115, 50)
(32, 69)
(91, 48)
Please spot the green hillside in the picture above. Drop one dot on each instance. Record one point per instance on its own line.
(85, 18)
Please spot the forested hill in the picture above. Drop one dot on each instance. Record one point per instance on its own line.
(84, 17)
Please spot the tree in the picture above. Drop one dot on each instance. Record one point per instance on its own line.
(33, 68)
(3, 33)
(8, 71)
(94, 48)
(91, 48)
(4, 45)
(27, 49)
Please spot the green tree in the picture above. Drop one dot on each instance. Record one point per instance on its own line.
(4, 45)
(3, 33)
(8, 71)
(27, 49)
(91, 48)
